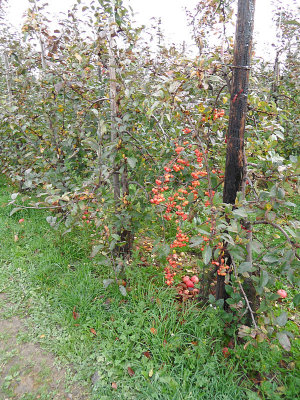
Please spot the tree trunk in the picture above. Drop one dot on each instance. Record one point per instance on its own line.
(120, 184)
(43, 58)
(238, 108)
(113, 111)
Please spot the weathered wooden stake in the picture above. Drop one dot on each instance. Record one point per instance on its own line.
(238, 109)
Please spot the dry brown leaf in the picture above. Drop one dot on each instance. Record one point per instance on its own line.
(153, 330)
(147, 354)
(130, 371)
(114, 385)
(75, 314)
(92, 330)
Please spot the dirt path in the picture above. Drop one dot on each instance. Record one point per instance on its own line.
(27, 372)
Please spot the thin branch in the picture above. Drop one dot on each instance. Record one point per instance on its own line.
(138, 184)
(161, 128)
(264, 222)
(244, 294)
(97, 101)
(141, 149)
(37, 207)
(217, 99)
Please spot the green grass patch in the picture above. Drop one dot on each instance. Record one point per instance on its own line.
(146, 343)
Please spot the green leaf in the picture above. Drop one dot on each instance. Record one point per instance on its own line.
(107, 282)
(228, 238)
(91, 143)
(270, 259)
(296, 300)
(132, 161)
(282, 319)
(14, 210)
(190, 197)
(51, 220)
(264, 278)
(123, 290)
(211, 299)
(280, 193)
(240, 212)
(220, 303)
(195, 241)
(256, 246)
(112, 245)
(245, 267)
(95, 250)
(207, 255)
(284, 340)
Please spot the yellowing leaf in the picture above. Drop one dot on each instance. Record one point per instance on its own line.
(78, 57)
(150, 373)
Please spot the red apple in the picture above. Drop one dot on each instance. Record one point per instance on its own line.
(195, 279)
(185, 279)
(282, 293)
(189, 283)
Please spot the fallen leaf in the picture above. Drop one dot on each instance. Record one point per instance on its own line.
(75, 314)
(16, 238)
(42, 336)
(130, 371)
(150, 373)
(154, 331)
(283, 364)
(114, 385)
(147, 354)
(225, 352)
(92, 330)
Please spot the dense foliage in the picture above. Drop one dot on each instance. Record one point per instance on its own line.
(102, 130)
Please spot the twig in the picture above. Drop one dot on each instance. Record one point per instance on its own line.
(264, 222)
(141, 149)
(37, 208)
(97, 101)
(161, 128)
(244, 294)
(136, 183)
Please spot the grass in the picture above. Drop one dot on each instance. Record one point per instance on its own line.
(146, 343)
